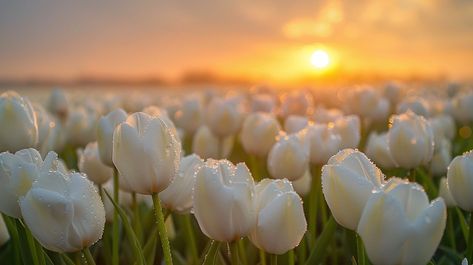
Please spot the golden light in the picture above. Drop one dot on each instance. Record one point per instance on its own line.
(320, 59)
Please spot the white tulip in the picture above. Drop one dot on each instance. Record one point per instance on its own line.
(295, 123)
(223, 200)
(443, 126)
(259, 133)
(411, 140)
(296, 103)
(17, 173)
(302, 185)
(263, 103)
(417, 105)
(190, 116)
(146, 153)
(90, 164)
(19, 125)
(441, 158)
(281, 223)
(105, 128)
(363, 100)
(63, 211)
(207, 145)
(401, 227)
(58, 104)
(80, 127)
(462, 105)
(377, 149)
(349, 176)
(445, 193)
(460, 180)
(44, 121)
(178, 195)
(223, 117)
(392, 91)
(349, 129)
(289, 157)
(4, 235)
(324, 143)
(323, 115)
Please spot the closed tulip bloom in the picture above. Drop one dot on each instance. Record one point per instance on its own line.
(323, 115)
(223, 116)
(207, 145)
(445, 193)
(296, 103)
(190, 116)
(302, 185)
(263, 103)
(417, 105)
(146, 153)
(105, 128)
(178, 195)
(281, 223)
(19, 125)
(324, 143)
(411, 140)
(443, 126)
(289, 157)
(462, 106)
(80, 127)
(223, 200)
(92, 166)
(400, 227)
(58, 104)
(63, 211)
(259, 133)
(295, 123)
(4, 235)
(441, 158)
(349, 176)
(155, 111)
(17, 173)
(377, 149)
(349, 130)
(460, 180)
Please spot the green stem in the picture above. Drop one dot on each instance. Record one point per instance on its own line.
(319, 250)
(273, 259)
(451, 231)
(136, 218)
(242, 252)
(255, 168)
(211, 254)
(162, 229)
(301, 251)
(191, 238)
(313, 207)
(88, 256)
(32, 246)
(15, 237)
(469, 251)
(291, 257)
(360, 251)
(262, 257)
(234, 252)
(115, 239)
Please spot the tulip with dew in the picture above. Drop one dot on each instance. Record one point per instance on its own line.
(91, 164)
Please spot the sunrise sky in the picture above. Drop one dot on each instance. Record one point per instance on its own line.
(258, 40)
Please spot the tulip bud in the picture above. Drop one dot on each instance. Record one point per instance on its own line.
(401, 227)
(289, 157)
(295, 123)
(263, 103)
(190, 116)
(223, 200)
(80, 126)
(324, 143)
(223, 117)
(178, 195)
(411, 140)
(4, 235)
(146, 153)
(417, 105)
(462, 105)
(443, 126)
(259, 133)
(17, 173)
(302, 185)
(444, 192)
(92, 166)
(442, 158)
(349, 176)
(105, 129)
(460, 180)
(207, 145)
(296, 103)
(349, 130)
(63, 211)
(377, 149)
(323, 115)
(279, 209)
(57, 104)
(19, 125)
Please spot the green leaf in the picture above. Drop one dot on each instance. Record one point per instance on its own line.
(318, 252)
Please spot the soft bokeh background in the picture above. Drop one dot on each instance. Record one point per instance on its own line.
(234, 41)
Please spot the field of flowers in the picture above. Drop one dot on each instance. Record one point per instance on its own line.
(359, 175)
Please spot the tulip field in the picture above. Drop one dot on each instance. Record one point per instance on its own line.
(379, 174)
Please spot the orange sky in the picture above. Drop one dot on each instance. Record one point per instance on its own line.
(260, 40)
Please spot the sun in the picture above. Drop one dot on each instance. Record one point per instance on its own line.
(320, 59)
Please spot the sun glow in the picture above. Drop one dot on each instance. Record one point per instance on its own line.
(320, 59)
